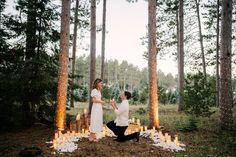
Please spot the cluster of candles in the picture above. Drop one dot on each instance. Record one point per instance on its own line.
(61, 137)
(167, 138)
(164, 138)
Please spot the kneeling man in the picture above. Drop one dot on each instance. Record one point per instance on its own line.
(121, 122)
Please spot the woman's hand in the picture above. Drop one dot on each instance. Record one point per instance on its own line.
(102, 102)
(113, 104)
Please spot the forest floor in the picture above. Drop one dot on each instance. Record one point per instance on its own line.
(205, 141)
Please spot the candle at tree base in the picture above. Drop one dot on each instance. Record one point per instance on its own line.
(59, 133)
(56, 135)
(138, 122)
(141, 128)
(176, 141)
(168, 140)
(152, 134)
(133, 120)
(78, 116)
(104, 133)
(54, 144)
(85, 111)
(145, 128)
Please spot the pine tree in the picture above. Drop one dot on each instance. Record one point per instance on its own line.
(63, 67)
(152, 65)
(226, 115)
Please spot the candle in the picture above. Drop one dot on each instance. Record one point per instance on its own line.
(153, 128)
(141, 128)
(54, 142)
(177, 144)
(166, 136)
(168, 139)
(78, 116)
(176, 141)
(138, 122)
(133, 120)
(82, 131)
(85, 111)
(145, 128)
(56, 135)
(63, 138)
(152, 134)
(73, 133)
(60, 133)
(104, 133)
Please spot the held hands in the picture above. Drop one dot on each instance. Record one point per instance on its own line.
(113, 104)
(102, 102)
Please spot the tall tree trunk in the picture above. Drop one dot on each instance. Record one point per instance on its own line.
(74, 52)
(92, 50)
(103, 37)
(217, 54)
(63, 65)
(29, 67)
(181, 57)
(201, 39)
(226, 106)
(152, 65)
(2, 7)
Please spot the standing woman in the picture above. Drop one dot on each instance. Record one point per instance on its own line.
(96, 120)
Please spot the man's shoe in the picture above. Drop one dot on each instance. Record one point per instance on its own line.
(137, 136)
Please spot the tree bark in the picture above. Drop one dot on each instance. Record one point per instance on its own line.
(152, 65)
(63, 65)
(29, 95)
(181, 57)
(201, 39)
(217, 54)
(103, 38)
(92, 50)
(226, 106)
(74, 52)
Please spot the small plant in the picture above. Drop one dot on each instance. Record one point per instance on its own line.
(199, 95)
(191, 125)
(141, 111)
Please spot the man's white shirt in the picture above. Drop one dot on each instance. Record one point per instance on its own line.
(122, 114)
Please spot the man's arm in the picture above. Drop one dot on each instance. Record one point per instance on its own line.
(122, 108)
(113, 104)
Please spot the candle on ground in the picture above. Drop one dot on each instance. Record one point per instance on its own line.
(56, 135)
(54, 142)
(145, 128)
(166, 136)
(133, 120)
(176, 141)
(152, 134)
(138, 122)
(141, 128)
(78, 116)
(85, 111)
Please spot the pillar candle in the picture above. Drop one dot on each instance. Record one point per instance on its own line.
(56, 135)
(145, 128)
(133, 120)
(85, 111)
(141, 128)
(138, 122)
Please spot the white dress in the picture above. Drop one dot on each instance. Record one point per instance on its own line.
(96, 119)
